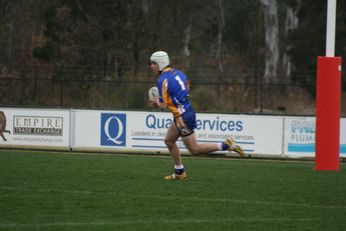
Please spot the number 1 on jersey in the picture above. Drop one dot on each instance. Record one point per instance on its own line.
(181, 83)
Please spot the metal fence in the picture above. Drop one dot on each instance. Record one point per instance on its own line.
(132, 95)
(59, 86)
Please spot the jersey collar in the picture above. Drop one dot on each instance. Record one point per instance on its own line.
(165, 69)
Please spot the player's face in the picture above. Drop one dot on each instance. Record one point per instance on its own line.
(154, 67)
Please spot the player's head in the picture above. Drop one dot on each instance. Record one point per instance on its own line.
(161, 59)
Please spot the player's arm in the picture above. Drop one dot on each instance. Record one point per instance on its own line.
(161, 101)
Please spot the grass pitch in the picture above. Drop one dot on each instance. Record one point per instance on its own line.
(56, 191)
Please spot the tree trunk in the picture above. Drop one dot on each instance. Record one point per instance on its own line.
(271, 40)
(186, 47)
(291, 23)
(221, 25)
(145, 6)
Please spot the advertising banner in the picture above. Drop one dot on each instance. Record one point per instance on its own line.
(343, 137)
(300, 136)
(147, 130)
(34, 127)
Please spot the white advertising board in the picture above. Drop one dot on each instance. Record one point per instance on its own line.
(300, 136)
(146, 130)
(343, 137)
(35, 127)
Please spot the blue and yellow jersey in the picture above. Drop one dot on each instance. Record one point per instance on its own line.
(173, 88)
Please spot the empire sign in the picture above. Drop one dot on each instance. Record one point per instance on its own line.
(38, 125)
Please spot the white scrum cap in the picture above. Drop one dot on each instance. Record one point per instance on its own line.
(161, 58)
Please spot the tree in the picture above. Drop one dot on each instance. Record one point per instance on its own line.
(271, 40)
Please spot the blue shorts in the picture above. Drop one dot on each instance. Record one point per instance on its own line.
(189, 118)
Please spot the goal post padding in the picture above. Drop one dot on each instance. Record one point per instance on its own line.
(328, 98)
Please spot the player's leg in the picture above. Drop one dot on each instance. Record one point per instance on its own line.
(203, 148)
(186, 125)
(170, 141)
(195, 148)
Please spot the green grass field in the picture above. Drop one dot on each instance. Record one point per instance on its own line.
(64, 191)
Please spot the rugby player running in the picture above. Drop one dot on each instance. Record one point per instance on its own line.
(173, 86)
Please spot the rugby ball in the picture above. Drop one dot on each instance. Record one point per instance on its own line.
(153, 93)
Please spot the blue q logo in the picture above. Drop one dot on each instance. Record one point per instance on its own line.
(113, 129)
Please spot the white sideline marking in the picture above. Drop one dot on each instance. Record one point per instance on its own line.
(194, 198)
(160, 221)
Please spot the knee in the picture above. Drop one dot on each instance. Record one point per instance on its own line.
(194, 151)
(169, 143)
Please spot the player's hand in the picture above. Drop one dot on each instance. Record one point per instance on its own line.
(152, 103)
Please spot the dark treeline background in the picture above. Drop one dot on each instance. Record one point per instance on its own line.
(241, 56)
